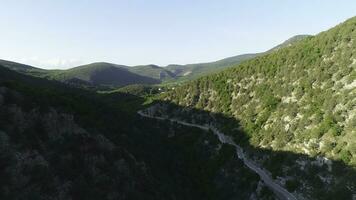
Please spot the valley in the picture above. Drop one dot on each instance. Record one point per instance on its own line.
(278, 190)
(276, 124)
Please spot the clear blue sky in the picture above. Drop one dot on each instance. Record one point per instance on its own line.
(65, 33)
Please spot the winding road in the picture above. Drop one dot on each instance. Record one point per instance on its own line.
(279, 191)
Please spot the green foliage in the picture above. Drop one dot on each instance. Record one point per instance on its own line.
(345, 156)
(55, 139)
(297, 99)
(290, 96)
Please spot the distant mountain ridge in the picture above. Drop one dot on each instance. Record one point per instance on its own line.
(104, 74)
(108, 74)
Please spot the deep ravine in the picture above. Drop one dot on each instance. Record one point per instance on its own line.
(279, 191)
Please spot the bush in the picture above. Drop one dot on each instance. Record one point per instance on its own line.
(345, 156)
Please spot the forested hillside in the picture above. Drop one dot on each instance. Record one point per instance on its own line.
(58, 142)
(135, 100)
(299, 99)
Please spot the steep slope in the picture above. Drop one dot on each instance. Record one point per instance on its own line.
(58, 142)
(53, 145)
(299, 99)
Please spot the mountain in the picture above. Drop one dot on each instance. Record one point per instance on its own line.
(193, 71)
(153, 71)
(103, 74)
(280, 125)
(99, 74)
(300, 99)
(61, 142)
(26, 69)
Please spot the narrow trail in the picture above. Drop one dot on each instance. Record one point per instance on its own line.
(280, 192)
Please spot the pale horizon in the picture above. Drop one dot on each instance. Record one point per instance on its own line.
(66, 34)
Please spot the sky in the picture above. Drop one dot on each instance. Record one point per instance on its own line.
(67, 33)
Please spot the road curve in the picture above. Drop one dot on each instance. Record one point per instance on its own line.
(279, 191)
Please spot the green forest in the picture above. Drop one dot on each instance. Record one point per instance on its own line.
(299, 99)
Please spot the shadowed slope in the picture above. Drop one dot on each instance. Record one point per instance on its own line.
(304, 176)
(58, 142)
